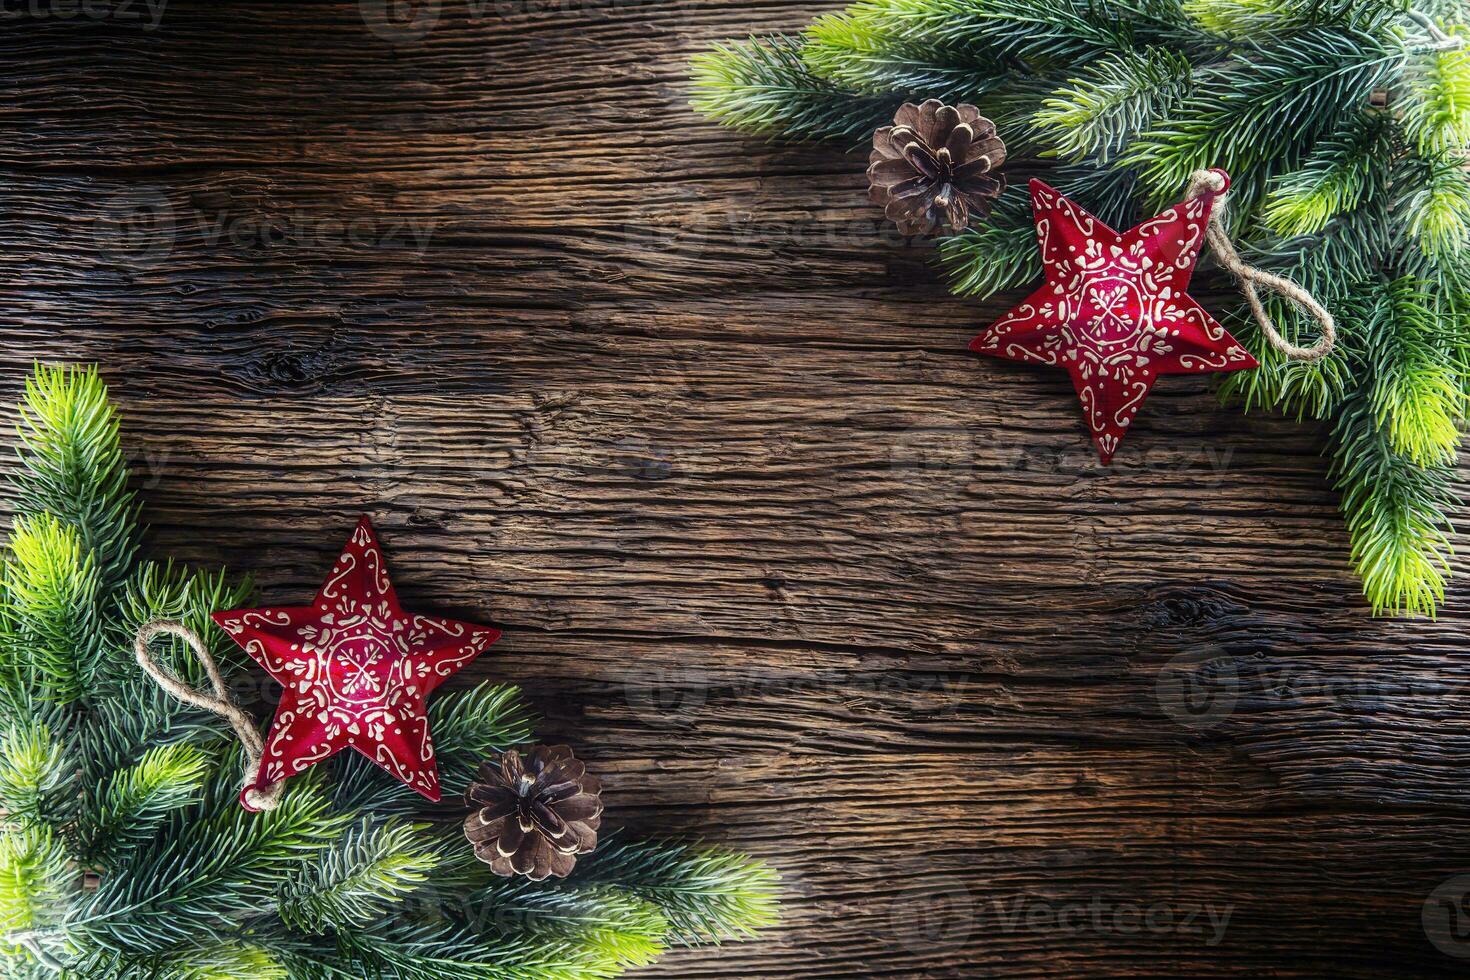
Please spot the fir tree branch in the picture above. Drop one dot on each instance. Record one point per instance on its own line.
(1438, 207)
(234, 959)
(706, 895)
(1397, 515)
(1343, 172)
(131, 714)
(863, 50)
(201, 882)
(1040, 34)
(1248, 20)
(165, 591)
(52, 590)
(1254, 115)
(132, 805)
(72, 467)
(1414, 392)
(434, 949)
(1111, 101)
(1304, 389)
(38, 775)
(618, 930)
(999, 254)
(358, 879)
(763, 86)
(36, 885)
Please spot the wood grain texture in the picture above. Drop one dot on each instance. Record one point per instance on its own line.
(792, 569)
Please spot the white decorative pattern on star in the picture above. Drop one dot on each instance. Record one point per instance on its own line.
(1114, 311)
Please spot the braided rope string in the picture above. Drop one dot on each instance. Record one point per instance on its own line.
(1213, 182)
(220, 704)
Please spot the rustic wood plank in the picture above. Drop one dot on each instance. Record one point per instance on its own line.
(788, 565)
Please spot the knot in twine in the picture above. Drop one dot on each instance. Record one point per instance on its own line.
(1215, 182)
(220, 704)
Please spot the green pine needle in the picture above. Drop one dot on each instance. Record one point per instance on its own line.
(359, 879)
(763, 86)
(706, 895)
(72, 466)
(1416, 396)
(224, 960)
(1342, 172)
(35, 879)
(1042, 35)
(1436, 105)
(228, 961)
(1439, 208)
(166, 591)
(133, 804)
(1112, 99)
(135, 714)
(1254, 115)
(1301, 389)
(864, 50)
(37, 775)
(618, 930)
(199, 883)
(1248, 20)
(52, 590)
(995, 256)
(1397, 514)
(468, 726)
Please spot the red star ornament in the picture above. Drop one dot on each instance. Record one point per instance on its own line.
(1114, 310)
(356, 669)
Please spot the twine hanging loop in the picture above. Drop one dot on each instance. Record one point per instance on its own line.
(1215, 182)
(220, 704)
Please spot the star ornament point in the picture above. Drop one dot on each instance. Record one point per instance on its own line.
(355, 670)
(1115, 311)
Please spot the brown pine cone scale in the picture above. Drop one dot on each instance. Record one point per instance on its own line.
(933, 167)
(534, 812)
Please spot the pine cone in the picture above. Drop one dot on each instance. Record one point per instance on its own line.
(534, 814)
(930, 167)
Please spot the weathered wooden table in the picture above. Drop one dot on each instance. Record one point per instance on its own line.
(680, 413)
